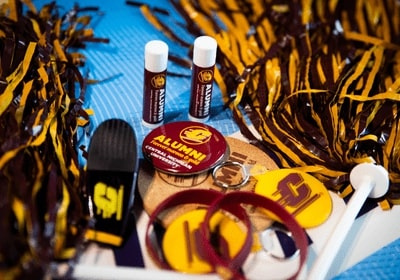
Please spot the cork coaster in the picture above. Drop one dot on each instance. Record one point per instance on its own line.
(155, 186)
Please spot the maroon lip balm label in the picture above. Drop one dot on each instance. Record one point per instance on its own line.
(184, 147)
(202, 87)
(154, 99)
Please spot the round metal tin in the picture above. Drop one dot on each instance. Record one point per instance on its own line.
(184, 147)
(178, 247)
(300, 193)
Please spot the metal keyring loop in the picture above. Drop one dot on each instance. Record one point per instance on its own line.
(266, 233)
(245, 174)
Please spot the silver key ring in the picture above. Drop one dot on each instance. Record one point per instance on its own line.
(241, 183)
(269, 246)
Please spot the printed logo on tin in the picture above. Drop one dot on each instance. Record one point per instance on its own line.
(294, 191)
(158, 81)
(302, 195)
(195, 135)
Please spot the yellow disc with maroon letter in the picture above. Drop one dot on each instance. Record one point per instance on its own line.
(179, 241)
(302, 195)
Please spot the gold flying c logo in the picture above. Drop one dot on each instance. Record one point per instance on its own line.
(205, 76)
(195, 135)
(158, 81)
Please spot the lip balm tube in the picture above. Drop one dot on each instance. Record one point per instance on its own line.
(154, 86)
(204, 56)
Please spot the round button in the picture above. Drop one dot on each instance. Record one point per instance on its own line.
(302, 195)
(184, 148)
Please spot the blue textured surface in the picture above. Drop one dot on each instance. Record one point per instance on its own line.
(120, 63)
(383, 264)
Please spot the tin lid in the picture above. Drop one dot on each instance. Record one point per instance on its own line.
(184, 148)
(301, 194)
(177, 243)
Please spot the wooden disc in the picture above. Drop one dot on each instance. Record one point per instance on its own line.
(155, 186)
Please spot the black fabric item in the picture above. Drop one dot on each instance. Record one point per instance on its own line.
(112, 168)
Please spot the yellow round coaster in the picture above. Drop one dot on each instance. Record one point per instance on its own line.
(179, 242)
(303, 195)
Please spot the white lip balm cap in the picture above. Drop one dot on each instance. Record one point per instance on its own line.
(204, 51)
(156, 56)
